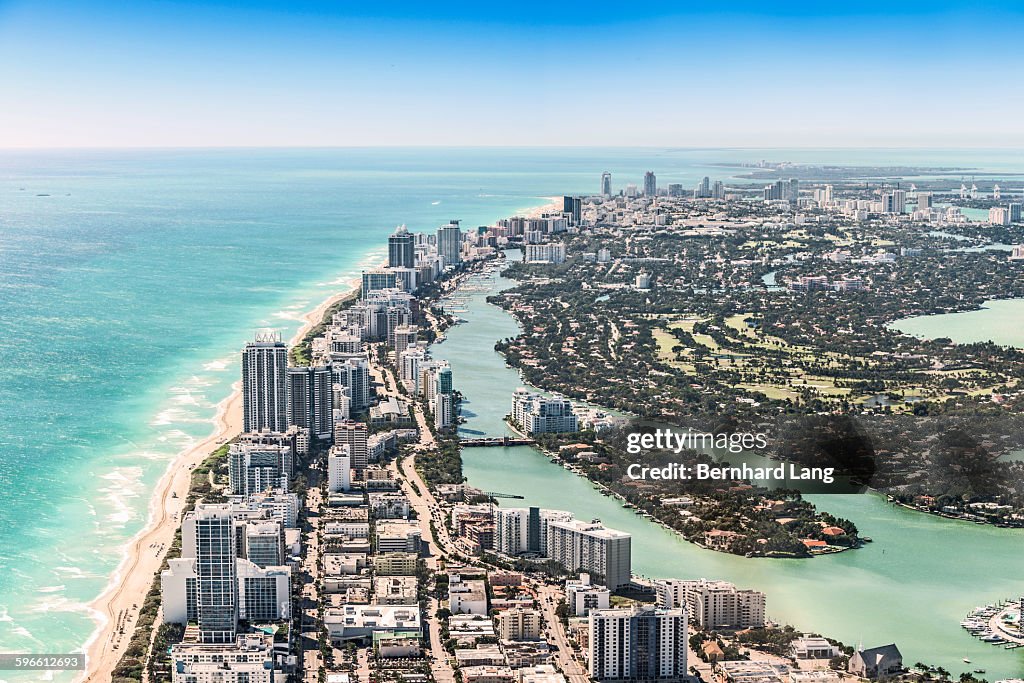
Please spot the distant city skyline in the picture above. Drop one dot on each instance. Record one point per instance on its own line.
(189, 74)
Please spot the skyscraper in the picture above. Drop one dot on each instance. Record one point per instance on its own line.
(255, 467)
(265, 383)
(638, 644)
(208, 535)
(401, 249)
(310, 400)
(606, 184)
(894, 202)
(650, 184)
(703, 189)
(354, 375)
(524, 530)
(353, 434)
(591, 547)
(573, 207)
(449, 244)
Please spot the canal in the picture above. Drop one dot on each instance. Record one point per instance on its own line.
(912, 585)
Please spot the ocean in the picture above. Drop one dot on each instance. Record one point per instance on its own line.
(129, 281)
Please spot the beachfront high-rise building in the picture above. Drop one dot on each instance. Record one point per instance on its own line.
(265, 384)
(254, 468)
(263, 542)
(518, 531)
(211, 585)
(250, 658)
(638, 644)
(377, 279)
(650, 184)
(591, 547)
(401, 249)
(208, 535)
(353, 435)
(449, 244)
(310, 404)
(276, 503)
(713, 604)
(606, 184)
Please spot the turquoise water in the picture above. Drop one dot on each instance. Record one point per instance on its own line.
(912, 585)
(997, 321)
(129, 280)
(125, 294)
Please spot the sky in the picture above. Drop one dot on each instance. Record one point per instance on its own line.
(353, 73)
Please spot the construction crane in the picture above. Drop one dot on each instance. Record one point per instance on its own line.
(496, 494)
(491, 495)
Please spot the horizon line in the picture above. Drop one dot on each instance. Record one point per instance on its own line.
(74, 148)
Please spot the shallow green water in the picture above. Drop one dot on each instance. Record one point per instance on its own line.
(911, 586)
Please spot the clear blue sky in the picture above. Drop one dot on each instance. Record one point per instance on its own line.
(303, 73)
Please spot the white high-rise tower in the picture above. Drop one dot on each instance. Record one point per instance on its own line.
(265, 383)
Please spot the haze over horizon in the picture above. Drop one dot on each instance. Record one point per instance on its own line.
(317, 74)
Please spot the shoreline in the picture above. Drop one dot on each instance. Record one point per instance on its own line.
(557, 460)
(116, 609)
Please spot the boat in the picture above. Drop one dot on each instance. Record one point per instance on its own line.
(979, 671)
(966, 661)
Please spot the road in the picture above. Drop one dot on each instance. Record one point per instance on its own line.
(440, 546)
(549, 597)
(425, 506)
(312, 659)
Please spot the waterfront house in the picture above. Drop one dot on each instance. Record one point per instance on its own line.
(877, 662)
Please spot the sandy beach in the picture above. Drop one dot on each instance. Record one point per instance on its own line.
(554, 205)
(117, 608)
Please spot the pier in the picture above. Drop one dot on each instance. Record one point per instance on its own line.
(497, 441)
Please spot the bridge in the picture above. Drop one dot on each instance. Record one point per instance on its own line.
(497, 441)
